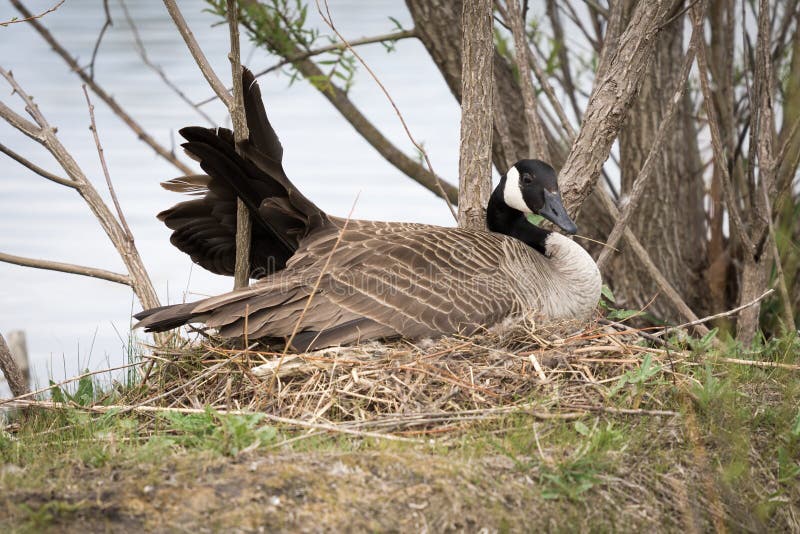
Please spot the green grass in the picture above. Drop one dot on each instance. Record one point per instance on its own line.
(737, 441)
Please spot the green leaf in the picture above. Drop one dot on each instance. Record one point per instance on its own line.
(396, 23)
(622, 314)
(581, 428)
(56, 394)
(534, 219)
(85, 394)
(796, 426)
(607, 293)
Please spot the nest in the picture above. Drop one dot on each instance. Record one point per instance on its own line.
(555, 371)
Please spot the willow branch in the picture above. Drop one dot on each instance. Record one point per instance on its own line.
(35, 168)
(101, 93)
(106, 25)
(19, 122)
(197, 52)
(71, 268)
(396, 36)
(563, 59)
(32, 17)
(475, 152)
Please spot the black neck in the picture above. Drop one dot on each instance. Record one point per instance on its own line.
(503, 219)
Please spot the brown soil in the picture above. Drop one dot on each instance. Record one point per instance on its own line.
(323, 492)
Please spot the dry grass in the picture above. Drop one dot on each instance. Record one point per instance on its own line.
(560, 371)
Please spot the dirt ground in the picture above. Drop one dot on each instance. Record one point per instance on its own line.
(322, 492)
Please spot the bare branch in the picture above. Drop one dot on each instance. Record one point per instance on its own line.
(438, 182)
(106, 25)
(105, 97)
(35, 168)
(717, 315)
(716, 137)
(240, 134)
(396, 36)
(142, 51)
(649, 166)
(197, 53)
(563, 60)
(32, 17)
(102, 274)
(114, 199)
(537, 143)
(139, 279)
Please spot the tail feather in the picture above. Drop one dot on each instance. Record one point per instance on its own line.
(166, 317)
(205, 228)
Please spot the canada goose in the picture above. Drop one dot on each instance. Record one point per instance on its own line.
(371, 279)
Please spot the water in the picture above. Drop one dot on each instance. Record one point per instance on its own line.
(75, 322)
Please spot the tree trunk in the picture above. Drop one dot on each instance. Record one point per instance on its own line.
(475, 162)
(669, 220)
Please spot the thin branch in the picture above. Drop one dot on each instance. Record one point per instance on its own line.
(329, 21)
(717, 315)
(786, 301)
(71, 268)
(69, 380)
(114, 199)
(32, 17)
(563, 60)
(340, 100)
(240, 134)
(396, 36)
(537, 144)
(716, 137)
(142, 51)
(106, 25)
(105, 97)
(649, 166)
(197, 53)
(139, 280)
(35, 168)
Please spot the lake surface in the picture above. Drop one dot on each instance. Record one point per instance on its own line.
(74, 322)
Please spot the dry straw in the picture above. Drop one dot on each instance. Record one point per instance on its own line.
(428, 387)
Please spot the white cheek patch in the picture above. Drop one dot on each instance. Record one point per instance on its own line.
(512, 194)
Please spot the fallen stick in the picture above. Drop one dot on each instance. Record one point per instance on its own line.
(717, 315)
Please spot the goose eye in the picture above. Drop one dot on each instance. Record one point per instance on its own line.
(527, 179)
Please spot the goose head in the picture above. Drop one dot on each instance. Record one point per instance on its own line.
(531, 186)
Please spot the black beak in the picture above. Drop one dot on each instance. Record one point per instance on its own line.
(554, 212)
